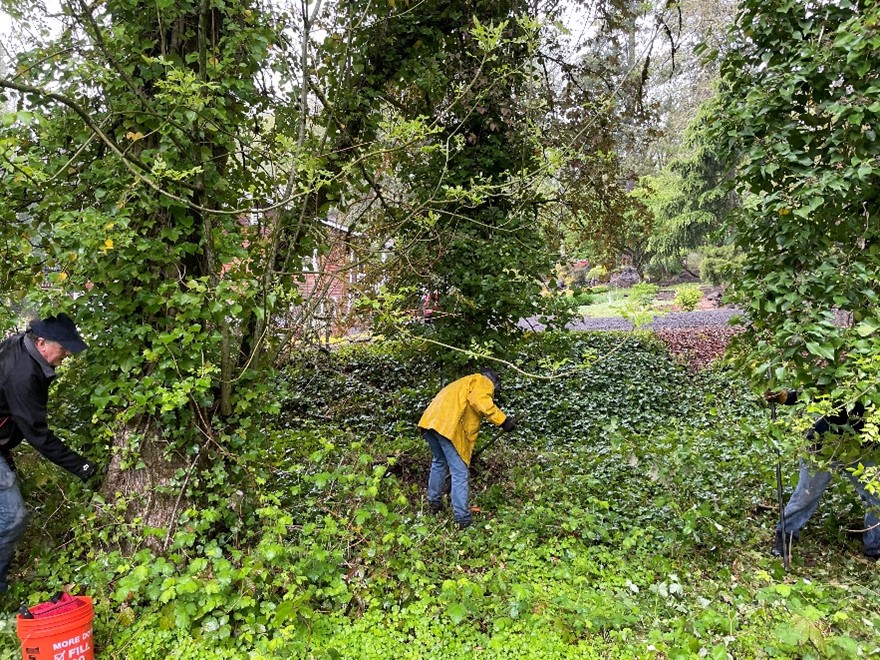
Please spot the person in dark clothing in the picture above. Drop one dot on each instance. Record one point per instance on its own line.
(27, 368)
(813, 481)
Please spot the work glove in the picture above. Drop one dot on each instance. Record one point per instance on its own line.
(87, 470)
(90, 475)
(508, 425)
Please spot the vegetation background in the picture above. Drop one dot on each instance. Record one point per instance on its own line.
(177, 176)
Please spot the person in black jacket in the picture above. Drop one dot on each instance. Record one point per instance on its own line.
(27, 367)
(813, 481)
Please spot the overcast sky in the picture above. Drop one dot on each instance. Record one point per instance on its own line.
(5, 29)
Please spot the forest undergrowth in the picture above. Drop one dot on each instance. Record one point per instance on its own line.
(629, 516)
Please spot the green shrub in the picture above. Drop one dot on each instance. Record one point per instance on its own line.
(597, 274)
(582, 297)
(643, 293)
(557, 310)
(721, 264)
(688, 297)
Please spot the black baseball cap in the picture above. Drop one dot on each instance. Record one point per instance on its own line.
(61, 329)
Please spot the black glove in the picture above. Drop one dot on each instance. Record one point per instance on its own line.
(88, 473)
(508, 425)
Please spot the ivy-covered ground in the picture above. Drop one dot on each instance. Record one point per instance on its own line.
(629, 516)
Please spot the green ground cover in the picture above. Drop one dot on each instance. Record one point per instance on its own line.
(605, 302)
(628, 517)
(604, 305)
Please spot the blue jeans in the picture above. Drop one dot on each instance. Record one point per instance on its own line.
(808, 492)
(13, 519)
(446, 458)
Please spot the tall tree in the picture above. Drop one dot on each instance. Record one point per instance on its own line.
(453, 199)
(605, 121)
(672, 207)
(130, 175)
(688, 198)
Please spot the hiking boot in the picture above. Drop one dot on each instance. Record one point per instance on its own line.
(872, 554)
(777, 550)
(463, 524)
(435, 507)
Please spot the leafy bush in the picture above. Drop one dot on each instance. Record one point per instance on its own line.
(721, 264)
(597, 274)
(688, 297)
(643, 293)
(582, 297)
(588, 276)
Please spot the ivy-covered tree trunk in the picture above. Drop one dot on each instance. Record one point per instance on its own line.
(453, 199)
(148, 485)
(133, 172)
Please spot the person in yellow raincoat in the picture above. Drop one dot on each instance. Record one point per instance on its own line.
(450, 424)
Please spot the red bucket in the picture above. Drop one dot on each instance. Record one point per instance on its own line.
(59, 630)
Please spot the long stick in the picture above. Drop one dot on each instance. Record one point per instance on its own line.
(487, 445)
(786, 546)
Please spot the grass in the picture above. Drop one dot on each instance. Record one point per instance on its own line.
(604, 304)
(613, 302)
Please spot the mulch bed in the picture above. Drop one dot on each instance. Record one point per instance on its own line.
(698, 347)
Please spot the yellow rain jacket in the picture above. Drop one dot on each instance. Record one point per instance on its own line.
(457, 410)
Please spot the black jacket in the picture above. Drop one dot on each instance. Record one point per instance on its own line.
(24, 394)
(837, 421)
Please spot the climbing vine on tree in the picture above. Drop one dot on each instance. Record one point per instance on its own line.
(130, 172)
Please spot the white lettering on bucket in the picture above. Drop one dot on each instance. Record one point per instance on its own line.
(74, 648)
(79, 653)
(67, 642)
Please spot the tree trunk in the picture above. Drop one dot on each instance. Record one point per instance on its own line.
(143, 485)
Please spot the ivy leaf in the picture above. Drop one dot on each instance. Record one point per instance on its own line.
(791, 635)
(822, 350)
(867, 328)
(457, 612)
